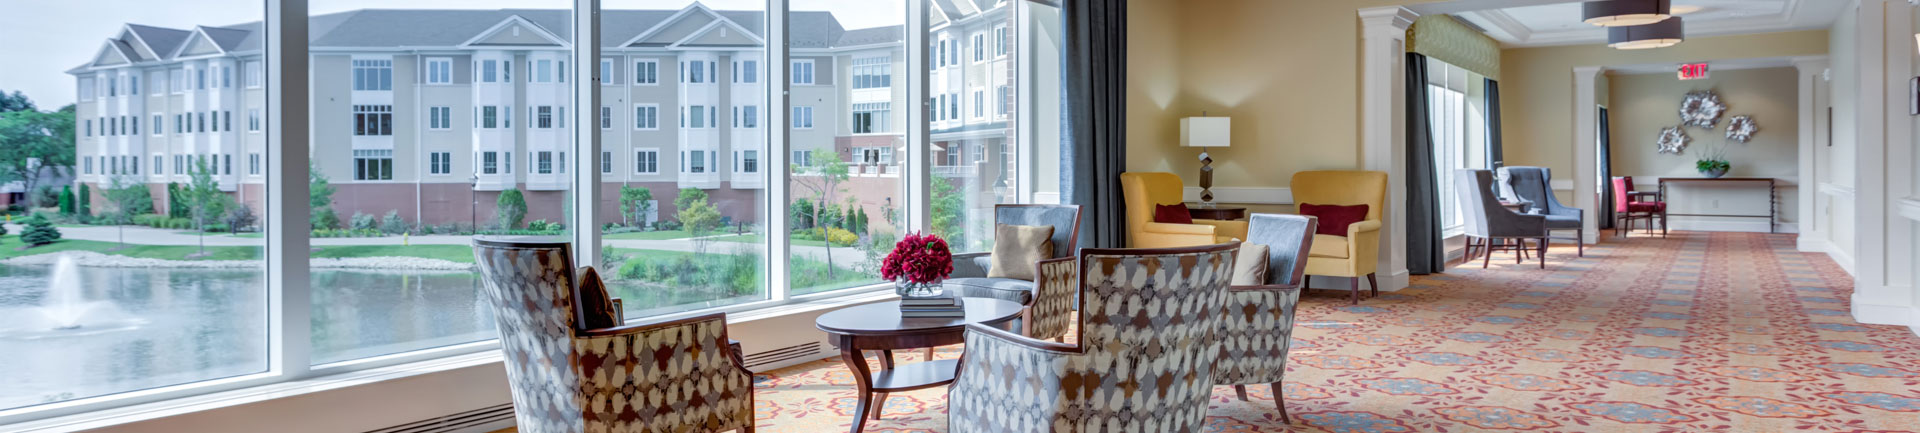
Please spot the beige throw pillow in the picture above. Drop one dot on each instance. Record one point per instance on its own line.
(1016, 249)
(1250, 265)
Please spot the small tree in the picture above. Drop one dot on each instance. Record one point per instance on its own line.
(205, 203)
(697, 216)
(39, 231)
(512, 207)
(393, 223)
(85, 207)
(125, 198)
(949, 210)
(177, 199)
(320, 200)
(635, 204)
(822, 180)
(238, 216)
(66, 200)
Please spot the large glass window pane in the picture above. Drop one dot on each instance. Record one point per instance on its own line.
(119, 278)
(395, 209)
(1040, 64)
(975, 149)
(684, 228)
(846, 204)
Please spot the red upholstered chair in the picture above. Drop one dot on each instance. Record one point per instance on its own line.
(1630, 205)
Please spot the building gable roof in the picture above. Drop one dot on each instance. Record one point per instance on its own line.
(113, 53)
(516, 31)
(719, 33)
(682, 23)
(160, 41)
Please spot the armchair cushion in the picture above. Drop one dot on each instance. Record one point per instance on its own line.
(1172, 213)
(1016, 250)
(1250, 265)
(998, 288)
(593, 303)
(1334, 247)
(1334, 219)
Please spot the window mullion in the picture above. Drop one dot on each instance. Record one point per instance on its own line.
(289, 287)
(918, 175)
(778, 78)
(586, 139)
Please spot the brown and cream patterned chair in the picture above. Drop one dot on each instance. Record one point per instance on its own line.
(574, 368)
(1143, 362)
(1258, 327)
(1049, 297)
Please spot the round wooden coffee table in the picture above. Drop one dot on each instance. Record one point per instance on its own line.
(878, 326)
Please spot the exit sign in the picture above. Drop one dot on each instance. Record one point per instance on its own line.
(1693, 71)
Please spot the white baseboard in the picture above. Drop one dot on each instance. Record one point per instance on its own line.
(1812, 242)
(1840, 257)
(1881, 314)
(1751, 225)
(1241, 195)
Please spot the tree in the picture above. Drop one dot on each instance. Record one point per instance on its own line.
(66, 200)
(512, 206)
(205, 202)
(15, 102)
(35, 144)
(176, 201)
(85, 208)
(949, 210)
(822, 180)
(697, 216)
(635, 204)
(320, 200)
(39, 231)
(238, 216)
(125, 198)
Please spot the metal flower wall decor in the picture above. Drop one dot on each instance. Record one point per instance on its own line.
(1701, 109)
(1741, 128)
(1673, 139)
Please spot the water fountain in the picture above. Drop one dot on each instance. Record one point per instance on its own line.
(65, 305)
(65, 311)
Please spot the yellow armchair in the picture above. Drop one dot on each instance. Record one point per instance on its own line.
(1358, 253)
(1144, 191)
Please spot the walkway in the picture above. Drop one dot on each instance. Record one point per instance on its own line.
(151, 236)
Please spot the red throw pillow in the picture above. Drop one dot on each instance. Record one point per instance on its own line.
(1172, 213)
(1334, 219)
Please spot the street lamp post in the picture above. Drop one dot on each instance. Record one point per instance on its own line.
(473, 203)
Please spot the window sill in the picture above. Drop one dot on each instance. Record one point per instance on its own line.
(459, 357)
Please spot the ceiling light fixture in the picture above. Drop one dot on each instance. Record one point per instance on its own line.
(1617, 13)
(1657, 35)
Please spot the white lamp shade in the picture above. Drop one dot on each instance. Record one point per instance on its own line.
(1206, 132)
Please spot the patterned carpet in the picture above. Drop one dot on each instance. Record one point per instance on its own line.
(1698, 332)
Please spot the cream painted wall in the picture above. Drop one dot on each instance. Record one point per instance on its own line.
(1537, 84)
(1642, 104)
(1286, 71)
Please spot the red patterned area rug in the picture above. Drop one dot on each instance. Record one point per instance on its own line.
(1696, 332)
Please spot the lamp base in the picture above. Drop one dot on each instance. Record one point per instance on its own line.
(1206, 179)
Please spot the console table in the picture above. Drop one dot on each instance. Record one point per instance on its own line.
(1773, 202)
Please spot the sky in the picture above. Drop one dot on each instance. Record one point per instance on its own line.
(41, 39)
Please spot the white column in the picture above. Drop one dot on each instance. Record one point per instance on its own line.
(1809, 71)
(1383, 127)
(1586, 173)
(1873, 300)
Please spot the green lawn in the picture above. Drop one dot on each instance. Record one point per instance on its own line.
(451, 253)
(10, 244)
(660, 235)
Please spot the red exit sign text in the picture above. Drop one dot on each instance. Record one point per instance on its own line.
(1693, 71)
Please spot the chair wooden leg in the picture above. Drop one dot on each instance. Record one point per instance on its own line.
(1580, 239)
(1373, 284)
(1241, 390)
(1484, 261)
(1280, 401)
(1356, 291)
(929, 355)
(1519, 251)
(1543, 253)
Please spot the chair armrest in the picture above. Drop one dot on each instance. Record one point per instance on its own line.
(965, 267)
(611, 362)
(1056, 288)
(1363, 227)
(998, 365)
(1363, 243)
(1259, 323)
(1179, 229)
(1232, 229)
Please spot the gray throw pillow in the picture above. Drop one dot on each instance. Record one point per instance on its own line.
(1016, 249)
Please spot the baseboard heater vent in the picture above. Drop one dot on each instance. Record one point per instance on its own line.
(809, 350)
(479, 420)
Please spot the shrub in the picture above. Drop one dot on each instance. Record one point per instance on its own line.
(179, 223)
(45, 195)
(3, 229)
(86, 200)
(512, 206)
(393, 224)
(176, 200)
(540, 225)
(66, 200)
(667, 225)
(149, 220)
(238, 217)
(324, 218)
(39, 231)
(363, 221)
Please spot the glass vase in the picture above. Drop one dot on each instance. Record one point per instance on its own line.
(909, 289)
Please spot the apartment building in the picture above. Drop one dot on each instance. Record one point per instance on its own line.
(433, 113)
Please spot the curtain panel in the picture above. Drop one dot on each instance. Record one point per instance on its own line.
(1426, 251)
(1094, 116)
(1496, 155)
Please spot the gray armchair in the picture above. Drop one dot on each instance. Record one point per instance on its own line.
(1487, 220)
(1532, 187)
(1258, 326)
(1050, 296)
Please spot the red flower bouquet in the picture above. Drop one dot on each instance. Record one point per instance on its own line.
(919, 260)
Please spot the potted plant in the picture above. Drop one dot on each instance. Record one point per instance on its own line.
(917, 265)
(1713, 163)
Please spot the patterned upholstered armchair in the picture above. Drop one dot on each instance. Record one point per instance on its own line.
(1258, 327)
(677, 376)
(1135, 368)
(1049, 298)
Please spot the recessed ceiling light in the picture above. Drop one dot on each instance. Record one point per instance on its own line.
(1657, 35)
(1616, 13)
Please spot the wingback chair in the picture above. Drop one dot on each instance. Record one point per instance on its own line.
(1258, 327)
(676, 376)
(1357, 254)
(1049, 298)
(1143, 362)
(1531, 187)
(1145, 190)
(1487, 221)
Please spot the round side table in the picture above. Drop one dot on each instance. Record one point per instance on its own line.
(878, 326)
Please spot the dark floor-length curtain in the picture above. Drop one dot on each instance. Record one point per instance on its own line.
(1426, 253)
(1094, 116)
(1606, 172)
(1496, 155)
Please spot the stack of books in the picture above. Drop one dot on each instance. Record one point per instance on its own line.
(938, 307)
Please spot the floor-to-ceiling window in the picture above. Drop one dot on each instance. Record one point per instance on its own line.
(728, 150)
(1457, 111)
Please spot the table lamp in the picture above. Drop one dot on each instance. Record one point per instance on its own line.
(1204, 132)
